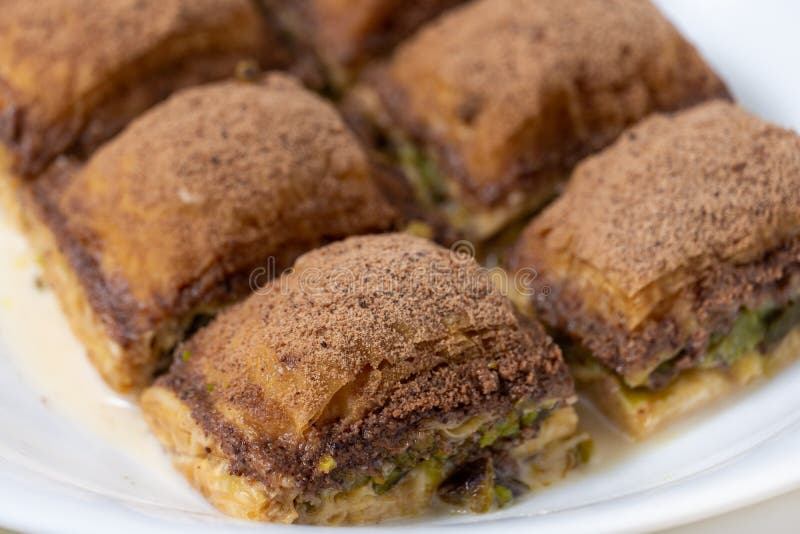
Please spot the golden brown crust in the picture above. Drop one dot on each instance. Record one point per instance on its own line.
(675, 195)
(376, 308)
(556, 81)
(348, 354)
(118, 366)
(334, 39)
(540, 460)
(59, 88)
(10, 190)
(639, 413)
(661, 239)
(199, 457)
(346, 33)
(173, 215)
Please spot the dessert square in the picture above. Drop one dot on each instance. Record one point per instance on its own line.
(488, 107)
(670, 266)
(368, 384)
(205, 195)
(76, 71)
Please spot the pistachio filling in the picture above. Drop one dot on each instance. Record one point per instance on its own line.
(436, 191)
(754, 333)
(454, 460)
(423, 173)
(754, 330)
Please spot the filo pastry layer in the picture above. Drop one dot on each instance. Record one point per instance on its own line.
(489, 106)
(344, 35)
(381, 371)
(672, 252)
(76, 71)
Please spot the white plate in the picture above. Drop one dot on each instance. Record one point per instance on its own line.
(74, 457)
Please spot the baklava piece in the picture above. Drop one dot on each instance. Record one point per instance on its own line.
(74, 72)
(168, 221)
(488, 107)
(671, 264)
(382, 375)
(343, 35)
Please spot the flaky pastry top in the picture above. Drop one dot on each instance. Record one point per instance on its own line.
(675, 195)
(61, 58)
(353, 322)
(211, 183)
(510, 87)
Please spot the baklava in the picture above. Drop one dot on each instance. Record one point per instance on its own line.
(170, 220)
(489, 106)
(343, 35)
(74, 72)
(383, 375)
(670, 266)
